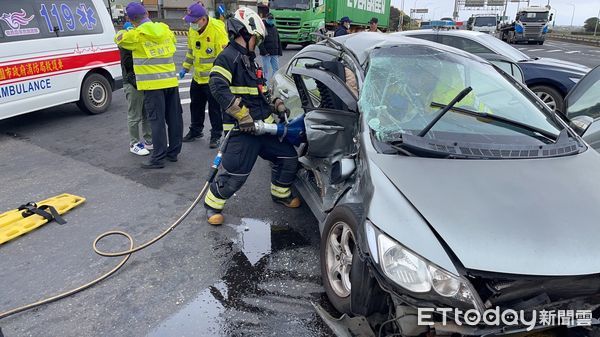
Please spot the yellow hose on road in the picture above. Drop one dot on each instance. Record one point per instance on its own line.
(126, 255)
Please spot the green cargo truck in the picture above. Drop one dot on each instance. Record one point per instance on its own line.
(297, 19)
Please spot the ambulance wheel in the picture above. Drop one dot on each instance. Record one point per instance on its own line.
(96, 94)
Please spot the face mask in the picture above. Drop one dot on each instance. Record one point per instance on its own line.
(346, 24)
(195, 26)
(271, 22)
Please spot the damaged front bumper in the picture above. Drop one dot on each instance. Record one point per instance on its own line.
(496, 291)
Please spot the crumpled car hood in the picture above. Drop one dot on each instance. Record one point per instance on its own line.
(525, 216)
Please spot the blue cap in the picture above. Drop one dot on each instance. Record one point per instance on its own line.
(135, 11)
(345, 19)
(195, 12)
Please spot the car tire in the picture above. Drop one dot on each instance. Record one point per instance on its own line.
(95, 95)
(540, 42)
(338, 247)
(284, 46)
(550, 96)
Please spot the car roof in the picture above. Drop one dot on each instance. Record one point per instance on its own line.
(457, 32)
(361, 44)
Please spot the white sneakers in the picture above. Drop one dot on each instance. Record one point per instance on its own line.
(139, 149)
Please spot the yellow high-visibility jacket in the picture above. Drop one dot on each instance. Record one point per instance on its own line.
(153, 46)
(204, 48)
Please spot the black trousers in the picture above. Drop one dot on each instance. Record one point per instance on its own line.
(164, 107)
(200, 95)
(239, 157)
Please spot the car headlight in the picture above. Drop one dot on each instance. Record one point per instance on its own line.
(414, 273)
(402, 266)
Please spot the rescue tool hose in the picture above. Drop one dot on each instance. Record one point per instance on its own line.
(127, 253)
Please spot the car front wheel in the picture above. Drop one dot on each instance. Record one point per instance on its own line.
(96, 94)
(338, 246)
(550, 96)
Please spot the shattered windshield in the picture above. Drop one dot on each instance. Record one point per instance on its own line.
(407, 85)
(289, 4)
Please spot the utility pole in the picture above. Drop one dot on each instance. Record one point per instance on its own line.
(572, 16)
(401, 15)
(597, 19)
(455, 12)
(110, 10)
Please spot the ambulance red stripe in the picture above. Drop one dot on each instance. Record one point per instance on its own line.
(22, 71)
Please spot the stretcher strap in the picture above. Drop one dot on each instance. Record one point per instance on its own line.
(46, 211)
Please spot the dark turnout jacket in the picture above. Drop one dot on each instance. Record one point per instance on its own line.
(234, 75)
(271, 45)
(127, 67)
(341, 30)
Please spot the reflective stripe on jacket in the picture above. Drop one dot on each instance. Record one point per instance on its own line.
(203, 49)
(153, 46)
(234, 75)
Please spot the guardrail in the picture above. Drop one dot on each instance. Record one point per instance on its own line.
(589, 40)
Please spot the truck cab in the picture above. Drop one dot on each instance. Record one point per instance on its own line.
(297, 19)
(485, 23)
(531, 25)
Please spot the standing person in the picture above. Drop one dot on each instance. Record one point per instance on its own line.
(135, 105)
(343, 27)
(373, 25)
(241, 93)
(270, 49)
(206, 39)
(153, 46)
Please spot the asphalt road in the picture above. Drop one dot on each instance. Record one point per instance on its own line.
(255, 276)
(566, 51)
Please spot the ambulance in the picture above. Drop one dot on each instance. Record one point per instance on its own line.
(56, 52)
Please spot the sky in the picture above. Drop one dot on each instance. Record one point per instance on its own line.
(564, 10)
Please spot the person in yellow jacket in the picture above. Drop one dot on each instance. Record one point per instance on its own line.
(206, 39)
(153, 46)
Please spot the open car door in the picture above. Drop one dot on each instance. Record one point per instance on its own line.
(328, 161)
(583, 107)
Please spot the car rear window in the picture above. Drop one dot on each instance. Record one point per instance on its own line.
(27, 20)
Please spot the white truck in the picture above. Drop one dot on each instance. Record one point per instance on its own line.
(485, 23)
(531, 25)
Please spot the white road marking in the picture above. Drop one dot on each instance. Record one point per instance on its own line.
(553, 51)
(186, 80)
(572, 52)
(532, 50)
(185, 101)
(184, 89)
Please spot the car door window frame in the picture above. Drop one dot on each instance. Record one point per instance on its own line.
(328, 79)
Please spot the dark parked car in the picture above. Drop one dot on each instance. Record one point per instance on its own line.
(439, 182)
(550, 79)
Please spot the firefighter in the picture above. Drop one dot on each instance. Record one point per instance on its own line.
(206, 39)
(237, 84)
(153, 46)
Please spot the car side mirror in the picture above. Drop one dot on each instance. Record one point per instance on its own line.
(505, 65)
(342, 170)
(551, 17)
(581, 124)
